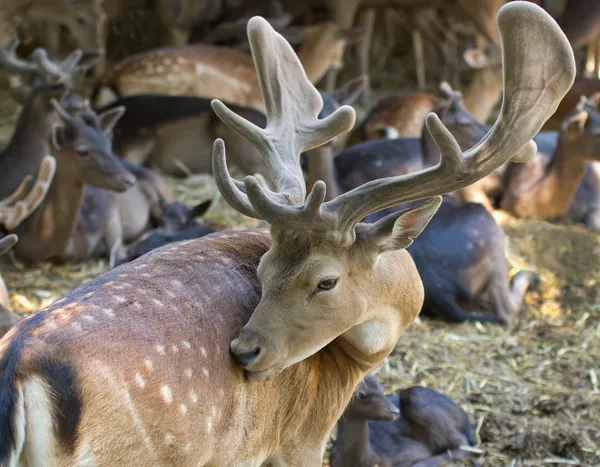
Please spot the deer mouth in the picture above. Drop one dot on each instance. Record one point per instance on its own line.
(262, 375)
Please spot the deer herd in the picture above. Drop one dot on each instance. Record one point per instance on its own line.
(245, 347)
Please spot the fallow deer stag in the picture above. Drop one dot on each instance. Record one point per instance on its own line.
(315, 304)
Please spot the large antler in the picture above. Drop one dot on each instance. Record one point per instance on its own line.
(292, 104)
(18, 206)
(53, 72)
(539, 69)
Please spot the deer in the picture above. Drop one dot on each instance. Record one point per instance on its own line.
(399, 115)
(429, 430)
(453, 275)
(84, 19)
(230, 379)
(208, 71)
(563, 180)
(581, 87)
(14, 210)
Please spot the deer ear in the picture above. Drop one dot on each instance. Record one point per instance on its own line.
(59, 135)
(398, 230)
(350, 91)
(199, 209)
(475, 58)
(109, 119)
(575, 122)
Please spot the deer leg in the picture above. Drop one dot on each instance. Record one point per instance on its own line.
(4, 298)
(445, 305)
(419, 57)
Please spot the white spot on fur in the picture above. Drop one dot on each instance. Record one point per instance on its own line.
(88, 295)
(160, 69)
(157, 302)
(147, 275)
(176, 283)
(193, 396)
(175, 348)
(187, 447)
(183, 409)
(139, 380)
(188, 372)
(203, 351)
(160, 349)
(180, 60)
(167, 61)
(166, 394)
(149, 364)
(88, 318)
(119, 299)
(205, 371)
(209, 424)
(186, 344)
(169, 438)
(108, 312)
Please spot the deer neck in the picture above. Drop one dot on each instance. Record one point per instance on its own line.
(33, 130)
(566, 171)
(321, 167)
(483, 92)
(352, 445)
(55, 219)
(392, 308)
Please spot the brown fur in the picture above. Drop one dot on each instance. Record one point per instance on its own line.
(405, 113)
(227, 420)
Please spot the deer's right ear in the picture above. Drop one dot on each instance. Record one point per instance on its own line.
(475, 58)
(109, 119)
(58, 135)
(575, 122)
(398, 230)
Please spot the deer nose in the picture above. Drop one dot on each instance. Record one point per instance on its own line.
(243, 353)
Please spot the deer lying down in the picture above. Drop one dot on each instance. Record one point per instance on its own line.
(175, 133)
(14, 210)
(455, 273)
(244, 347)
(563, 180)
(463, 271)
(428, 432)
(177, 224)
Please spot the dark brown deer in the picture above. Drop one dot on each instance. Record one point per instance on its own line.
(430, 430)
(14, 210)
(581, 87)
(315, 304)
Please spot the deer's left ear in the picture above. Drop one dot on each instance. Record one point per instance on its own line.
(398, 230)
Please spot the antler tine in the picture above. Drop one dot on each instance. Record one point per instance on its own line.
(10, 61)
(63, 114)
(450, 93)
(6, 243)
(63, 72)
(292, 105)
(18, 207)
(539, 69)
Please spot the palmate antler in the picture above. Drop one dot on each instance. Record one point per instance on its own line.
(53, 72)
(539, 69)
(19, 206)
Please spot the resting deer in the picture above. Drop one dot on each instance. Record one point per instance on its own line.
(208, 71)
(84, 19)
(429, 431)
(14, 210)
(315, 304)
(563, 180)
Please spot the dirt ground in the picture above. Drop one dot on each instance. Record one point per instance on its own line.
(531, 392)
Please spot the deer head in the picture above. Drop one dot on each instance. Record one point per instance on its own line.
(369, 402)
(18, 206)
(41, 69)
(327, 275)
(88, 138)
(580, 130)
(84, 18)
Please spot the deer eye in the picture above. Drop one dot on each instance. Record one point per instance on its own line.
(82, 151)
(327, 284)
